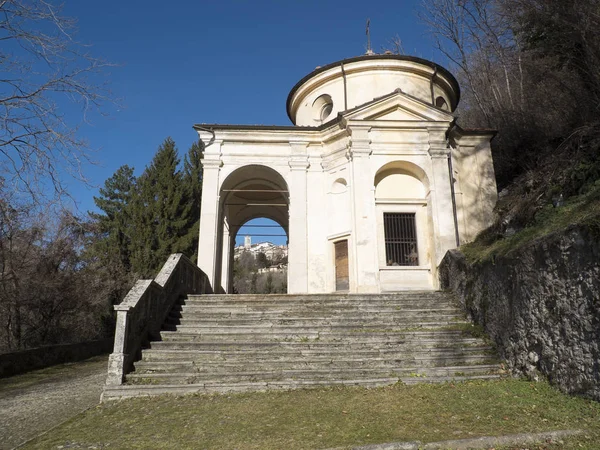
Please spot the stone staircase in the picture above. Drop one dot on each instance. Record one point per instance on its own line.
(221, 343)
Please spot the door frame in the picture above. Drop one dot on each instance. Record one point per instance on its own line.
(345, 236)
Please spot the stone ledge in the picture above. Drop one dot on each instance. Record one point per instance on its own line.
(474, 443)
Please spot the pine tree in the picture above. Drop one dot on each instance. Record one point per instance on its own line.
(192, 180)
(161, 211)
(114, 225)
(108, 251)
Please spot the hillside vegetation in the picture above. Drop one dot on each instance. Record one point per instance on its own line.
(531, 70)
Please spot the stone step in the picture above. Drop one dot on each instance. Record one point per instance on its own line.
(190, 377)
(234, 336)
(283, 297)
(308, 330)
(313, 314)
(206, 362)
(448, 379)
(373, 336)
(243, 313)
(307, 311)
(201, 353)
(300, 373)
(316, 346)
(143, 367)
(137, 390)
(319, 306)
(325, 302)
(283, 300)
(378, 322)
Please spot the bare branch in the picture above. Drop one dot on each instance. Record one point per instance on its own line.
(43, 70)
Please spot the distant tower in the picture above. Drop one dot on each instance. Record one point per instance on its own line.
(247, 242)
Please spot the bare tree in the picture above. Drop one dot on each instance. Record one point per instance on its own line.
(50, 291)
(513, 79)
(42, 68)
(477, 38)
(394, 46)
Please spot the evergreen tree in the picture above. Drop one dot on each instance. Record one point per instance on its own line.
(161, 211)
(114, 225)
(108, 248)
(192, 180)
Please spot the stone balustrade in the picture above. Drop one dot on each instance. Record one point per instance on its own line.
(143, 311)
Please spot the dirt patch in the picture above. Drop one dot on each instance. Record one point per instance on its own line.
(37, 401)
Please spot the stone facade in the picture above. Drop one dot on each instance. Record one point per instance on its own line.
(373, 139)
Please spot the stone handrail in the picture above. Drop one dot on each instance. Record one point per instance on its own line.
(144, 309)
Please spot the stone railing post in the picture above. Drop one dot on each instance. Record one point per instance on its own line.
(117, 359)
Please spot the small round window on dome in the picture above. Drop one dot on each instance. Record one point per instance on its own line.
(441, 103)
(322, 108)
(326, 111)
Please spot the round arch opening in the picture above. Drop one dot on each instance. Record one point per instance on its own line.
(260, 257)
(251, 196)
(404, 229)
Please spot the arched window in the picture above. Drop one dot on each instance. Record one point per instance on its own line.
(400, 197)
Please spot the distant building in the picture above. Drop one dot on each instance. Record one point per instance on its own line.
(373, 183)
(248, 242)
(271, 251)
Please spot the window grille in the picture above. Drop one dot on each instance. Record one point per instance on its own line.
(400, 239)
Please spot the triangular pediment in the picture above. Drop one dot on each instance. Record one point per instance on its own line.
(398, 106)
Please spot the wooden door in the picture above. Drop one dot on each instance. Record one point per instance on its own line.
(342, 281)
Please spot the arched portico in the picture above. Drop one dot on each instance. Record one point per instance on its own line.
(248, 192)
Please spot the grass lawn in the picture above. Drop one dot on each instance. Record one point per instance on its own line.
(336, 417)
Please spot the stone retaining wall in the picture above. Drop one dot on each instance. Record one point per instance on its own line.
(540, 304)
(38, 358)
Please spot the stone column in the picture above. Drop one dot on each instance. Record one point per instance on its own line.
(229, 287)
(209, 218)
(226, 256)
(298, 246)
(366, 266)
(443, 212)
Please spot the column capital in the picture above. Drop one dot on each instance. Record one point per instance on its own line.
(299, 164)
(299, 155)
(360, 142)
(439, 153)
(212, 163)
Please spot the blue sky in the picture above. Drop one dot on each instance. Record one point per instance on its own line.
(185, 62)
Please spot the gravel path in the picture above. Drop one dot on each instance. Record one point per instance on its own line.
(37, 401)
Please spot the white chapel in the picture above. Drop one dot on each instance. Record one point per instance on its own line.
(373, 182)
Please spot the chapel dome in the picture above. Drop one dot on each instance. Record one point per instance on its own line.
(322, 94)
